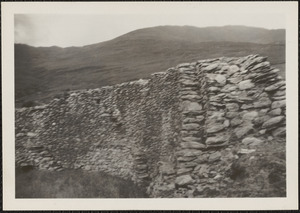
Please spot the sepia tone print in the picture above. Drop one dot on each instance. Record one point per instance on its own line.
(213, 125)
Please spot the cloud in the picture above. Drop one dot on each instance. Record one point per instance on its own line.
(24, 29)
(28, 29)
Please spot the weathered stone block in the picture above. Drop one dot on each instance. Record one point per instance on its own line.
(236, 121)
(182, 171)
(262, 102)
(278, 104)
(232, 107)
(188, 139)
(250, 115)
(274, 86)
(214, 89)
(247, 106)
(247, 84)
(189, 152)
(243, 130)
(251, 141)
(273, 122)
(186, 159)
(215, 127)
(279, 132)
(211, 67)
(190, 126)
(214, 156)
(192, 145)
(275, 112)
(215, 140)
(221, 79)
(191, 106)
(184, 180)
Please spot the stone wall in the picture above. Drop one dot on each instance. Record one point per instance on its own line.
(178, 133)
(123, 130)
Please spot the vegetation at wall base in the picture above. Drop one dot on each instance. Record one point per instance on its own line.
(73, 184)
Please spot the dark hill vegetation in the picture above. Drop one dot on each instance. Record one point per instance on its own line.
(44, 72)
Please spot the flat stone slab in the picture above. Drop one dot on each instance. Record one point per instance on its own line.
(251, 141)
(247, 84)
(192, 145)
(184, 180)
(272, 122)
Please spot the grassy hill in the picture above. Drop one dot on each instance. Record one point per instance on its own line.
(44, 72)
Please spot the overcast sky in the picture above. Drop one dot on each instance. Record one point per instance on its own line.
(82, 29)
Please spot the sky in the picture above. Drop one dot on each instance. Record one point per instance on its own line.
(66, 30)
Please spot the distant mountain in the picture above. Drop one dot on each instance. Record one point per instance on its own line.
(208, 34)
(43, 72)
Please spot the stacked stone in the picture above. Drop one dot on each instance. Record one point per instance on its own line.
(271, 102)
(189, 154)
(242, 104)
(141, 169)
(163, 185)
(38, 157)
(30, 151)
(244, 94)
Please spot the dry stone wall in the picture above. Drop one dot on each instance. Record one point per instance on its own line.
(177, 133)
(123, 130)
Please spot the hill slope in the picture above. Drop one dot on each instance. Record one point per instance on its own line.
(43, 72)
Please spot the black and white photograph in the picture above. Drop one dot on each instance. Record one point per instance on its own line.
(171, 103)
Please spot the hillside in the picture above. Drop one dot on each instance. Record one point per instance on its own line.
(44, 72)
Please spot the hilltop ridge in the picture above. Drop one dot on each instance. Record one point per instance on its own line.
(44, 72)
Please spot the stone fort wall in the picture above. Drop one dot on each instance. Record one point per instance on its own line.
(177, 133)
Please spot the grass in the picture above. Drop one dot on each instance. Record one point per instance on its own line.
(73, 184)
(263, 176)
